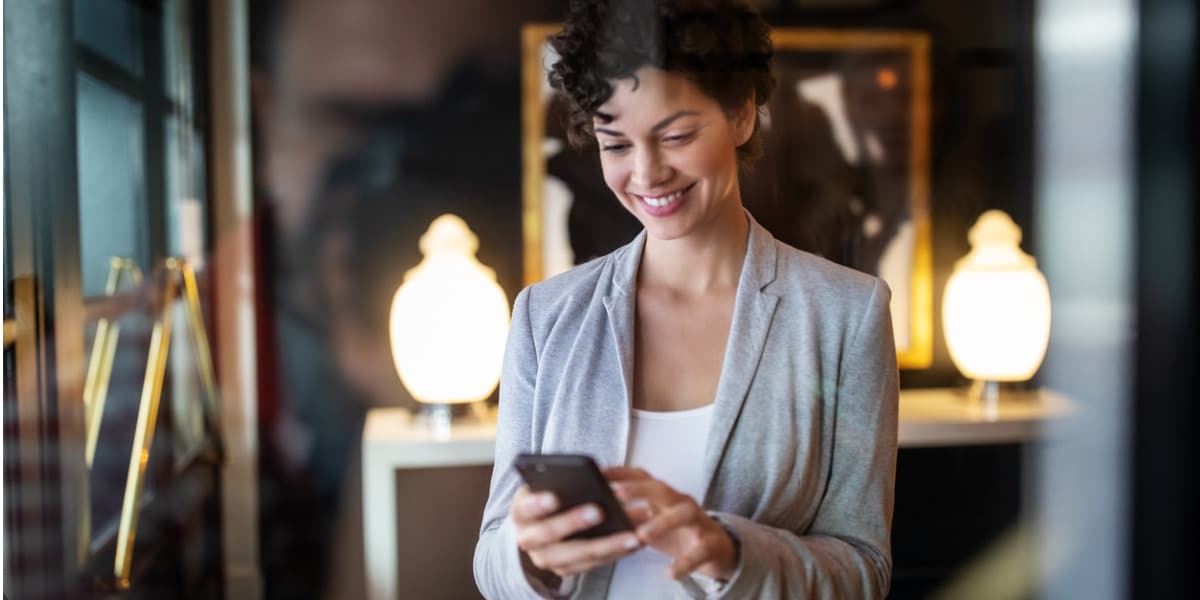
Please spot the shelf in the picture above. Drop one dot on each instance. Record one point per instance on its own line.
(947, 417)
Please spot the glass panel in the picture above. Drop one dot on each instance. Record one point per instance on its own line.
(112, 28)
(184, 161)
(177, 52)
(186, 217)
(187, 392)
(1086, 233)
(112, 182)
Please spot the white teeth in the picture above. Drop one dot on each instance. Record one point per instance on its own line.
(664, 200)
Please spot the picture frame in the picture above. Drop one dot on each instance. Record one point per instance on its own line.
(845, 173)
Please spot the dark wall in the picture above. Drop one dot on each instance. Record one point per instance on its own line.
(1166, 450)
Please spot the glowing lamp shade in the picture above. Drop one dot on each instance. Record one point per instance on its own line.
(449, 320)
(996, 308)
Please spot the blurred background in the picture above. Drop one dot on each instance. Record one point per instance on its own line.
(210, 208)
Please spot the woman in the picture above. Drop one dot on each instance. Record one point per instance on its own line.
(741, 393)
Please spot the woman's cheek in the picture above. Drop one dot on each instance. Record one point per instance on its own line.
(614, 178)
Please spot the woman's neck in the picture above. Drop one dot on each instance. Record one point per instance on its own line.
(707, 260)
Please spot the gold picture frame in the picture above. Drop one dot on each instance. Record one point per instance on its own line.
(806, 60)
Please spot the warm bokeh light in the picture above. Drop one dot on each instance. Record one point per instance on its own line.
(449, 320)
(887, 78)
(996, 309)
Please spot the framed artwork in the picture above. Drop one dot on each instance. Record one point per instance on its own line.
(845, 173)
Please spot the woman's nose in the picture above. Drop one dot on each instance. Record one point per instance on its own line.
(649, 170)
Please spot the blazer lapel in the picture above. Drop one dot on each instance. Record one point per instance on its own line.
(753, 310)
(621, 307)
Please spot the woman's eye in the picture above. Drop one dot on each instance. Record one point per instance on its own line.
(614, 147)
(678, 139)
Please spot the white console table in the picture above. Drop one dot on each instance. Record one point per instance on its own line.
(391, 441)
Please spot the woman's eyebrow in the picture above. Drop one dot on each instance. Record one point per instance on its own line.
(667, 121)
(657, 126)
(607, 118)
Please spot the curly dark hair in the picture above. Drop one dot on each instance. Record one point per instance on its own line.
(722, 46)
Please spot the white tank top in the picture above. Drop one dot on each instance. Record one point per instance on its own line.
(670, 447)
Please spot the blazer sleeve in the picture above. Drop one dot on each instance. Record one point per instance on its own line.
(498, 566)
(846, 553)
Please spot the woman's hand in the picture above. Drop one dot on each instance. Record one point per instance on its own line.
(541, 535)
(675, 525)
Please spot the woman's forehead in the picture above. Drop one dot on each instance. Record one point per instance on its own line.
(650, 94)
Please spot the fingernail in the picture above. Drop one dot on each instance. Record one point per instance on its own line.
(591, 515)
(547, 502)
(631, 542)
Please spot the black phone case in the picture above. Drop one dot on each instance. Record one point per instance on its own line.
(576, 480)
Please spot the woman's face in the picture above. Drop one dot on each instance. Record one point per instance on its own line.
(669, 153)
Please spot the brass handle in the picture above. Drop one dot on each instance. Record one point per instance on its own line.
(156, 362)
(100, 362)
(200, 339)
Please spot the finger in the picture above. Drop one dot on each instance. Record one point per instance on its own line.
(580, 556)
(530, 507)
(669, 519)
(638, 512)
(625, 474)
(653, 491)
(516, 508)
(551, 530)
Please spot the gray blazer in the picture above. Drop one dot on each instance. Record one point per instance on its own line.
(801, 457)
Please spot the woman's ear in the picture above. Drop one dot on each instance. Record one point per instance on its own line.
(742, 119)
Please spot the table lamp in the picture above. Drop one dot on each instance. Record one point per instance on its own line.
(449, 321)
(996, 309)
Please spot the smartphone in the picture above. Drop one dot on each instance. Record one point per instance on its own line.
(575, 479)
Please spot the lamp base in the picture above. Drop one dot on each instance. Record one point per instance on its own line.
(985, 395)
(436, 417)
(984, 391)
(440, 417)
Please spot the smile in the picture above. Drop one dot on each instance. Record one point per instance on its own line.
(666, 200)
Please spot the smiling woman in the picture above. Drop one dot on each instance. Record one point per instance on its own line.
(667, 151)
(741, 394)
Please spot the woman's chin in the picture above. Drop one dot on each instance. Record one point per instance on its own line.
(666, 230)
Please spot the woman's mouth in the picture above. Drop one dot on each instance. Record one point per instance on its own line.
(661, 206)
